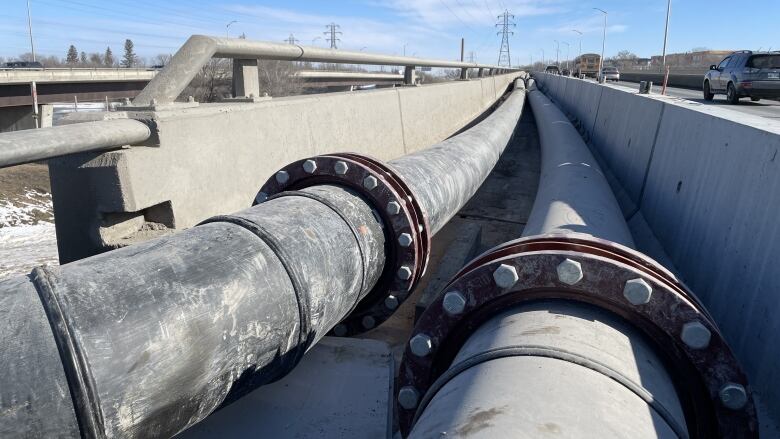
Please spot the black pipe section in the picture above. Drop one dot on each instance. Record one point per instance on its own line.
(152, 338)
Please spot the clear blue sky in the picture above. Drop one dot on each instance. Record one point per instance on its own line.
(430, 28)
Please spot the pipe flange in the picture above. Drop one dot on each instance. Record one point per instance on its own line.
(407, 233)
(600, 273)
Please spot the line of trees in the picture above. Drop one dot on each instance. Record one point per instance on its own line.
(75, 58)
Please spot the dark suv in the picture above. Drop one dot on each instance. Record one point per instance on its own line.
(744, 74)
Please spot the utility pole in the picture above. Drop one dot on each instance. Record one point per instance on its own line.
(227, 28)
(332, 33)
(666, 33)
(292, 40)
(504, 57)
(580, 34)
(603, 42)
(29, 28)
(557, 53)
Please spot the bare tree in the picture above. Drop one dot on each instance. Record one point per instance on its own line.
(211, 83)
(162, 59)
(95, 59)
(278, 78)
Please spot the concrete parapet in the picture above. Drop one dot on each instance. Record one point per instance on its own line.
(706, 181)
(210, 159)
(25, 76)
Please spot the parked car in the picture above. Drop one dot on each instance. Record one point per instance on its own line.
(553, 70)
(754, 75)
(23, 65)
(566, 72)
(610, 74)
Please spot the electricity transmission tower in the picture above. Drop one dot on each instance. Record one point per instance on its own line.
(505, 23)
(292, 40)
(472, 56)
(332, 33)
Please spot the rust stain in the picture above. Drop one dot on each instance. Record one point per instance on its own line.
(478, 420)
(363, 229)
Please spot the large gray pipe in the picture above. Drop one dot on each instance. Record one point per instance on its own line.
(147, 340)
(31, 145)
(558, 368)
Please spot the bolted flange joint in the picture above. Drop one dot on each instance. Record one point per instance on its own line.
(405, 225)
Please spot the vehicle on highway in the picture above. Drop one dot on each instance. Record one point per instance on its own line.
(553, 70)
(23, 65)
(755, 75)
(610, 74)
(566, 72)
(587, 64)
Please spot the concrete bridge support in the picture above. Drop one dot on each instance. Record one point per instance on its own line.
(226, 151)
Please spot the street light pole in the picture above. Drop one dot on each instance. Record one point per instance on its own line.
(29, 29)
(227, 28)
(557, 50)
(579, 56)
(603, 43)
(568, 46)
(543, 59)
(666, 32)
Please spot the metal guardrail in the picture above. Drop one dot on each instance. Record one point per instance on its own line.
(199, 49)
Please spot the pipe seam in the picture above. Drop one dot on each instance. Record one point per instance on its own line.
(352, 228)
(305, 336)
(77, 371)
(556, 354)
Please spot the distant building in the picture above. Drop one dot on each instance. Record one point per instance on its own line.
(692, 59)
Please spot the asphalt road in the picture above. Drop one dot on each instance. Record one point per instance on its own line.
(764, 108)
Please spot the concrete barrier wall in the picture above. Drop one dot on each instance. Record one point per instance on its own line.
(213, 158)
(706, 180)
(694, 81)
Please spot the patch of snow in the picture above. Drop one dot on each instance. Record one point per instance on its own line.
(27, 236)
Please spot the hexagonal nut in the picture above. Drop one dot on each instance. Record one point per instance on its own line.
(261, 197)
(421, 345)
(454, 303)
(340, 167)
(282, 177)
(569, 271)
(733, 396)
(404, 273)
(340, 330)
(408, 397)
(368, 322)
(637, 291)
(309, 166)
(695, 335)
(393, 208)
(391, 302)
(405, 240)
(505, 276)
(370, 182)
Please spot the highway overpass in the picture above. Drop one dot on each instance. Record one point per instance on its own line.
(207, 247)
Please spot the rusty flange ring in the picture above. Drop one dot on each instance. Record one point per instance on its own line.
(705, 367)
(406, 228)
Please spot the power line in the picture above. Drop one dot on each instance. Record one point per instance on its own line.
(455, 15)
(504, 57)
(331, 34)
